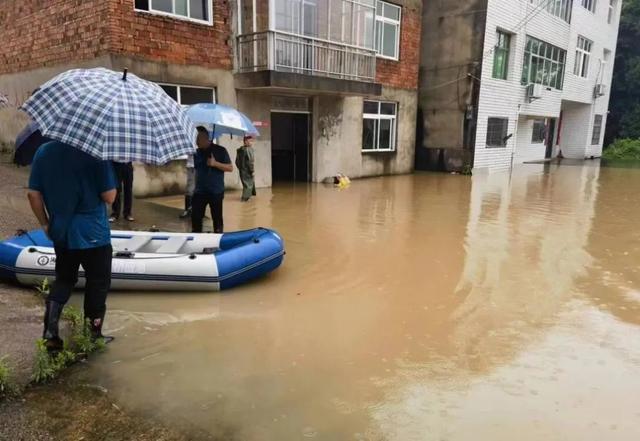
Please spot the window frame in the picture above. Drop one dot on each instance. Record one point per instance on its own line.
(378, 117)
(583, 57)
(597, 134)
(562, 9)
(613, 4)
(536, 131)
(381, 20)
(504, 142)
(179, 91)
(542, 47)
(589, 5)
(173, 15)
(507, 49)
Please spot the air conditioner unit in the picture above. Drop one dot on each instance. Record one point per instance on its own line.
(600, 90)
(534, 91)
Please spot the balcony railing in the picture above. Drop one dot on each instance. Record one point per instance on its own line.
(285, 52)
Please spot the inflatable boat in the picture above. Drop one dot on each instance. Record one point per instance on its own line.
(156, 261)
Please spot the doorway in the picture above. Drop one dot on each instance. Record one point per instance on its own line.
(551, 137)
(290, 147)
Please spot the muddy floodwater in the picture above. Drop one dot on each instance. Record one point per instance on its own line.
(425, 307)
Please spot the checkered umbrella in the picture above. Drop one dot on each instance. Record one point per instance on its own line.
(112, 116)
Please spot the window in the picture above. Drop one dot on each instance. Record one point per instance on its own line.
(379, 126)
(581, 68)
(387, 37)
(539, 134)
(597, 130)
(543, 64)
(197, 10)
(187, 95)
(612, 11)
(559, 8)
(497, 132)
(501, 55)
(589, 4)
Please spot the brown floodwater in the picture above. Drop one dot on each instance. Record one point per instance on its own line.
(424, 307)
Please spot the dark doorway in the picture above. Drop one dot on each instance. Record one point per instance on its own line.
(290, 158)
(551, 137)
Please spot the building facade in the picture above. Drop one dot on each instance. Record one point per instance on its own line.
(331, 84)
(527, 80)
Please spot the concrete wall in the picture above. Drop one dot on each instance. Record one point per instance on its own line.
(525, 149)
(337, 137)
(452, 35)
(574, 135)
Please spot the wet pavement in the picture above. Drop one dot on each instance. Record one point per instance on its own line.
(425, 307)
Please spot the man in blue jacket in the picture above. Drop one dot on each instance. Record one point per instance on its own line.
(68, 190)
(211, 162)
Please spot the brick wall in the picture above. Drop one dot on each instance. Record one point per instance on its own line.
(404, 73)
(171, 40)
(66, 30)
(34, 36)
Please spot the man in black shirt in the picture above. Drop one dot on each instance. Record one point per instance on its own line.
(211, 162)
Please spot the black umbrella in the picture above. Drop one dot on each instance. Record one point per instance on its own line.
(27, 143)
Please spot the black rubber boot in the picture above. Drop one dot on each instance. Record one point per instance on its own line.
(95, 326)
(187, 207)
(51, 332)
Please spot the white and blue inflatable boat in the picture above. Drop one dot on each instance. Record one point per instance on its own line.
(156, 261)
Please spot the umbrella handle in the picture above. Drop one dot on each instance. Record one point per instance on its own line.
(124, 75)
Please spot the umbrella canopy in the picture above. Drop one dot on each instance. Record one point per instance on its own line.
(27, 143)
(112, 116)
(225, 119)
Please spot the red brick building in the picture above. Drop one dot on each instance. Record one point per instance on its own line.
(332, 83)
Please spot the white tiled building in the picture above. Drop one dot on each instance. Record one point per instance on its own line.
(545, 80)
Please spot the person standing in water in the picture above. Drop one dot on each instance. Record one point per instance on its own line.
(245, 161)
(124, 175)
(211, 162)
(68, 190)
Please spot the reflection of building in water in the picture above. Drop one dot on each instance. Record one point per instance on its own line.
(615, 284)
(525, 246)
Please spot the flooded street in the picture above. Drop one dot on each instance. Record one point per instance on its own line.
(426, 307)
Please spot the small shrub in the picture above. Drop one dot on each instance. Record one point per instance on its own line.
(44, 288)
(79, 345)
(623, 150)
(46, 367)
(7, 387)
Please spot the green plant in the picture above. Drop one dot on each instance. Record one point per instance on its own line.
(79, 345)
(48, 366)
(466, 170)
(623, 149)
(44, 288)
(7, 387)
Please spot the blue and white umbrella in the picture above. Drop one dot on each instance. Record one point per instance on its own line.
(112, 116)
(224, 119)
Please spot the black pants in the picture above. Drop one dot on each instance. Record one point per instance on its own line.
(96, 263)
(124, 177)
(199, 206)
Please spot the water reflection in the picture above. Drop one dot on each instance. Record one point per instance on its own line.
(409, 308)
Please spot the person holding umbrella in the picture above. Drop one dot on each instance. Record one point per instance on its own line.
(211, 162)
(245, 161)
(93, 116)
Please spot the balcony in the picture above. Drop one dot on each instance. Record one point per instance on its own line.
(326, 65)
